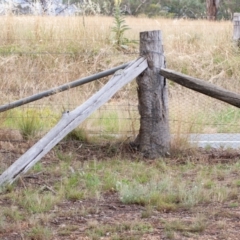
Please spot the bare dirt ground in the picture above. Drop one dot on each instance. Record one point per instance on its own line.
(108, 218)
(223, 222)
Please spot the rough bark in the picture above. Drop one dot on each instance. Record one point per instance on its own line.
(212, 9)
(154, 136)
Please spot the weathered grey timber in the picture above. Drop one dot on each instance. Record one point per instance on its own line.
(71, 120)
(236, 28)
(202, 87)
(154, 135)
(61, 88)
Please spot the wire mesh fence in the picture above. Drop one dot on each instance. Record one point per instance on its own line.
(117, 118)
(26, 71)
(189, 112)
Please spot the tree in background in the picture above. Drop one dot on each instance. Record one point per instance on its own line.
(212, 9)
(184, 8)
(227, 8)
(195, 9)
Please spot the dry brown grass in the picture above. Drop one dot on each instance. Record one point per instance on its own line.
(37, 53)
(200, 48)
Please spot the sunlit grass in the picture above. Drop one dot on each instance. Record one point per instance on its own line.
(157, 186)
(161, 185)
(38, 53)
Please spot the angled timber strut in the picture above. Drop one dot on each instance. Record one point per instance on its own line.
(71, 120)
(202, 86)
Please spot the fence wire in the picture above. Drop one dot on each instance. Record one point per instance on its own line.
(205, 121)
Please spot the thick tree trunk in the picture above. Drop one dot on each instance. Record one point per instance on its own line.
(212, 9)
(154, 136)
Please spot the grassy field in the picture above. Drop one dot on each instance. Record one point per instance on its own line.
(84, 191)
(100, 188)
(38, 53)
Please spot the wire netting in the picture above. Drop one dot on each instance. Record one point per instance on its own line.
(26, 71)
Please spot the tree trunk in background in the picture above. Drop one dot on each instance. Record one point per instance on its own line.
(212, 9)
(154, 136)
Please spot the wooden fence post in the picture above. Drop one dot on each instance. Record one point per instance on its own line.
(153, 139)
(236, 28)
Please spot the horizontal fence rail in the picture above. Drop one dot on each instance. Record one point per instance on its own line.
(201, 86)
(71, 120)
(62, 88)
(120, 116)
